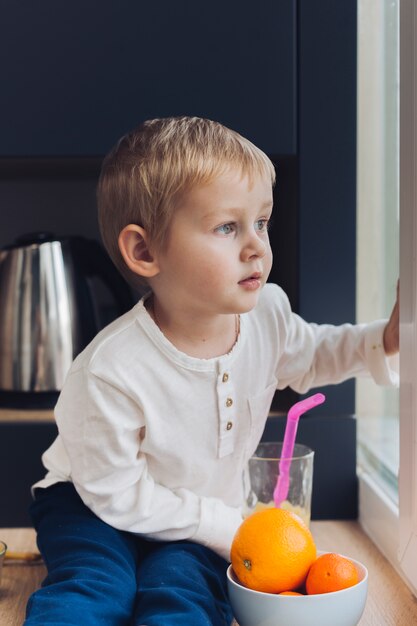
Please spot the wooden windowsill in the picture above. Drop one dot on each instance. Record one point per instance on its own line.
(390, 602)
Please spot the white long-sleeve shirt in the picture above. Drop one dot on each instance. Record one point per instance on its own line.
(155, 441)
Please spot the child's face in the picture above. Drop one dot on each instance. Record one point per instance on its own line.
(218, 254)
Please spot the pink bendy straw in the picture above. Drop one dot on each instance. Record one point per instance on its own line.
(283, 482)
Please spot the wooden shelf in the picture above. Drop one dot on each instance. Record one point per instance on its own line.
(24, 415)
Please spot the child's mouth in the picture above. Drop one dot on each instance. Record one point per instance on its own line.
(251, 283)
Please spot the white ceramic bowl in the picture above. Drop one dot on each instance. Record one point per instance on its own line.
(339, 608)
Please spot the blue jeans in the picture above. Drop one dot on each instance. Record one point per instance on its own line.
(98, 575)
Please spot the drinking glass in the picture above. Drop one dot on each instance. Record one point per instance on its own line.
(261, 475)
(3, 549)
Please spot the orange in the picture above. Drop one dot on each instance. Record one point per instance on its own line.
(290, 593)
(331, 572)
(272, 551)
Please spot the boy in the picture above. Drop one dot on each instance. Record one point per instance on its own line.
(161, 412)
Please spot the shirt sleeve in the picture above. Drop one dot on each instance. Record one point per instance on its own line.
(101, 429)
(312, 355)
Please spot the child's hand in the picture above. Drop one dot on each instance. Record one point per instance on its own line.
(392, 329)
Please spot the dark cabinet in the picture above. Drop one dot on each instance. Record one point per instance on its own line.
(76, 75)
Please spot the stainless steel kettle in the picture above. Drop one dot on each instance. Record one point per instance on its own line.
(49, 312)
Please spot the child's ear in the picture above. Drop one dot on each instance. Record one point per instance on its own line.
(133, 245)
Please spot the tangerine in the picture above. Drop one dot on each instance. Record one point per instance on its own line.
(290, 593)
(272, 551)
(331, 572)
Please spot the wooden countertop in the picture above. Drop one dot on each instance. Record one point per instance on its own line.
(390, 602)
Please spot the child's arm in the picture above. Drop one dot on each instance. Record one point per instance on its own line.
(392, 329)
(311, 355)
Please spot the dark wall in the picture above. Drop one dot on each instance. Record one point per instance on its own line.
(283, 73)
(80, 74)
(327, 171)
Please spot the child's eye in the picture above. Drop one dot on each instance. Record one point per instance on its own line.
(226, 229)
(261, 225)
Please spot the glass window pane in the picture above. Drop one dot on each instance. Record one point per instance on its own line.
(378, 224)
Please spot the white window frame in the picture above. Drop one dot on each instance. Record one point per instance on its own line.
(407, 549)
(394, 528)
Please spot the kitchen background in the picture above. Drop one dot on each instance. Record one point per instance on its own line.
(76, 76)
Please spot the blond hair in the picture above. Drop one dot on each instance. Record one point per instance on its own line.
(149, 169)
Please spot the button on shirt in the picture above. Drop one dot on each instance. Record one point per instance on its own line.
(155, 441)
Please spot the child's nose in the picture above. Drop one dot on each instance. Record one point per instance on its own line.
(254, 247)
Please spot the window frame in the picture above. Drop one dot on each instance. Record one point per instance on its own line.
(407, 548)
(394, 528)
